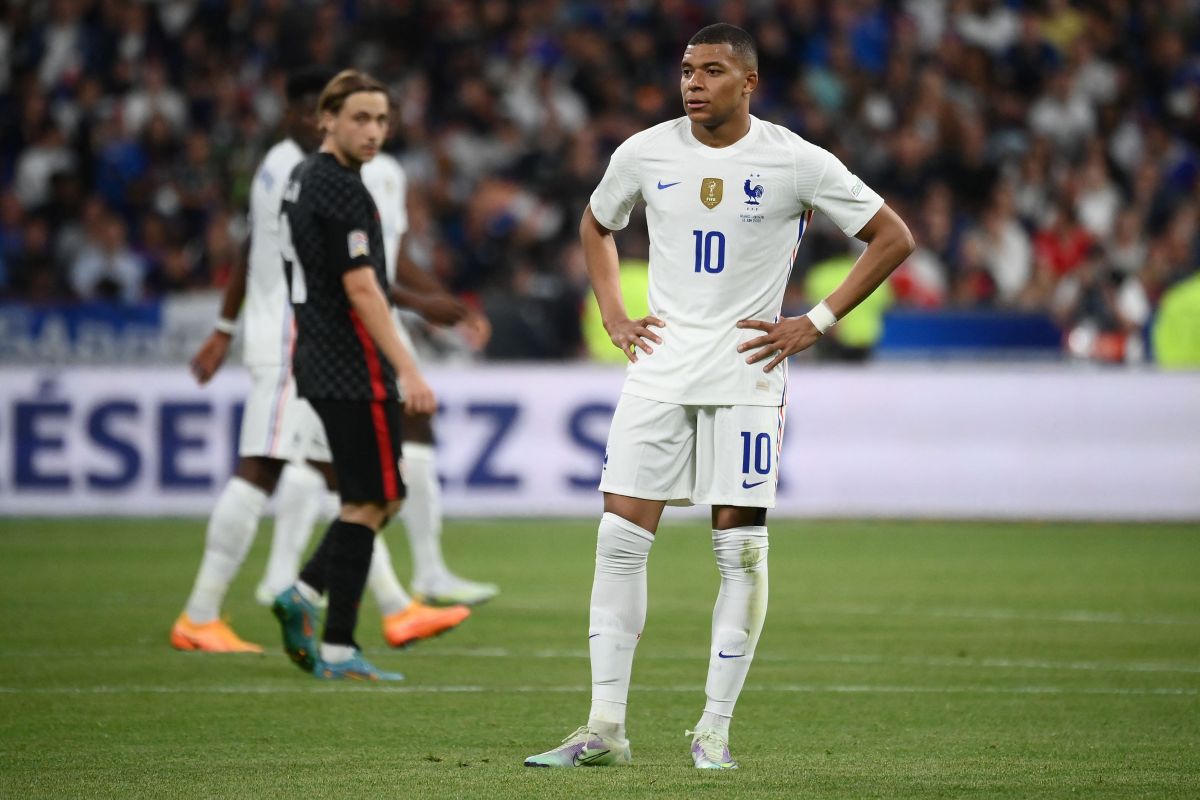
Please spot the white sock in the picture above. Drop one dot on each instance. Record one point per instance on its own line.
(298, 501)
(383, 583)
(309, 593)
(714, 722)
(422, 516)
(231, 530)
(336, 653)
(618, 612)
(738, 615)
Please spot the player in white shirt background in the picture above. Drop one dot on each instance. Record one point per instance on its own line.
(700, 418)
(279, 429)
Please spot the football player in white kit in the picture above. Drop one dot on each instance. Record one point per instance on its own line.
(278, 427)
(700, 417)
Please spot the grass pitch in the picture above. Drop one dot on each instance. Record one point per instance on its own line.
(900, 659)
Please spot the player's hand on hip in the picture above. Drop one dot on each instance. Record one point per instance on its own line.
(631, 335)
(210, 356)
(418, 397)
(782, 339)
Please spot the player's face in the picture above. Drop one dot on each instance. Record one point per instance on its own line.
(714, 83)
(359, 129)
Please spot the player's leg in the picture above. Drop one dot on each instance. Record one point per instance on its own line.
(648, 462)
(301, 499)
(263, 443)
(737, 471)
(405, 620)
(364, 439)
(432, 580)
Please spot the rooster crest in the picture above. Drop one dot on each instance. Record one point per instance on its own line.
(752, 193)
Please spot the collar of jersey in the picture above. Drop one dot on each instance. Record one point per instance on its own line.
(737, 147)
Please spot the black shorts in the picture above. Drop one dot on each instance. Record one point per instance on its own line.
(364, 439)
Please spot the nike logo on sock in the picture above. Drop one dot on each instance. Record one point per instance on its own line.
(593, 636)
(721, 654)
(748, 485)
(662, 185)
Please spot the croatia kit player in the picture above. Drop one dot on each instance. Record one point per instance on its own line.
(700, 418)
(278, 428)
(350, 365)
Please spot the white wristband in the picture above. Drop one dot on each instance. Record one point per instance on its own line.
(821, 317)
(226, 326)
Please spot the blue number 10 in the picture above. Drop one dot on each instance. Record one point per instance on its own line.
(704, 251)
(762, 453)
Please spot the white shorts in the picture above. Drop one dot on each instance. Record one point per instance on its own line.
(703, 455)
(278, 423)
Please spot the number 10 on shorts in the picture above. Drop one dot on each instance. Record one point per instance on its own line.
(761, 447)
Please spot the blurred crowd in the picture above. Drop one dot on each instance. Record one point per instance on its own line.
(1044, 153)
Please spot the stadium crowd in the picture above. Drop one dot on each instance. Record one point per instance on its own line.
(1043, 153)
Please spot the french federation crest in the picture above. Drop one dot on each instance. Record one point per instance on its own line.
(753, 190)
(711, 191)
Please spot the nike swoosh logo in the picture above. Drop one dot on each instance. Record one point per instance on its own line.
(593, 636)
(590, 757)
(721, 654)
(662, 185)
(747, 485)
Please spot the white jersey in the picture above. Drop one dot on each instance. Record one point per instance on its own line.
(385, 180)
(724, 224)
(269, 327)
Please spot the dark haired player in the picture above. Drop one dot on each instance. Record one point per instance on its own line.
(700, 419)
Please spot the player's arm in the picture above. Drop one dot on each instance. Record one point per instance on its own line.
(604, 272)
(211, 355)
(416, 289)
(368, 301)
(889, 242)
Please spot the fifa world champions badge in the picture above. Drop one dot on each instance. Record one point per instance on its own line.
(711, 191)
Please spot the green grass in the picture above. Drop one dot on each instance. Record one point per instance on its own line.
(900, 659)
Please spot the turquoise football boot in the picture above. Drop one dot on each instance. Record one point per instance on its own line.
(355, 668)
(298, 619)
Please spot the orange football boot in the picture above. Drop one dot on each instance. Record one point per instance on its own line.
(420, 621)
(211, 637)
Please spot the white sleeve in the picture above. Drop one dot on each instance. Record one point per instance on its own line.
(619, 189)
(841, 195)
(402, 201)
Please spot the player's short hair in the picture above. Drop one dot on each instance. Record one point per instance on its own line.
(307, 81)
(346, 83)
(742, 43)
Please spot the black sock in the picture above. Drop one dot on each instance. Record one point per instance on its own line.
(349, 561)
(316, 571)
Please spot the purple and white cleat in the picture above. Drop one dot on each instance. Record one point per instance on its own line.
(710, 750)
(584, 748)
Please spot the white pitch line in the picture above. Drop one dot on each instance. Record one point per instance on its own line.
(946, 662)
(998, 614)
(470, 689)
(980, 663)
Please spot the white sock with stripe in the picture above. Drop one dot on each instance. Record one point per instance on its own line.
(231, 530)
(738, 617)
(298, 501)
(383, 583)
(422, 517)
(618, 613)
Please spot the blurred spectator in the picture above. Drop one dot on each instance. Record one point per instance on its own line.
(1015, 137)
(106, 268)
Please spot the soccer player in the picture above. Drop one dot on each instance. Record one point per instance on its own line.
(701, 414)
(411, 288)
(277, 427)
(351, 366)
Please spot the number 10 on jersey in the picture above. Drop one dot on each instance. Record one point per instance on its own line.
(710, 251)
